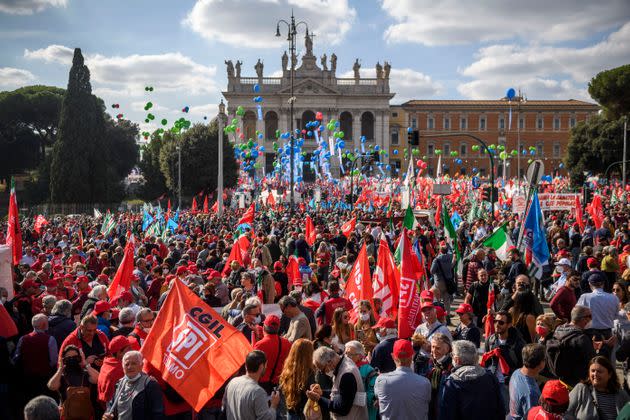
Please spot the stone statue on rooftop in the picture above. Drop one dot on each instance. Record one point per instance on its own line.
(285, 61)
(379, 70)
(323, 61)
(238, 68)
(356, 68)
(230, 68)
(259, 69)
(308, 43)
(333, 63)
(388, 68)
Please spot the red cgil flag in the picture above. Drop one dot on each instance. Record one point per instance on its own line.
(195, 350)
(348, 227)
(205, 205)
(438, 211)
(248, 216)
(193, 208)
(215, 207)
(14, 232)
(359, 283)
(386, 279)
(489, 322)
(409, 313)
(122, 279)
(40, 222)
(596, 211)
(310, 231)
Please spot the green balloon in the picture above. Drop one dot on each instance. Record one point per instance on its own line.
(146, 121)
(414, 152)
(277, 133)
(424, 157)
(341, 134)
(503, 155)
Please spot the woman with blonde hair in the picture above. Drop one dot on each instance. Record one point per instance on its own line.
(296, 377)
(363, 331)
(342, 328)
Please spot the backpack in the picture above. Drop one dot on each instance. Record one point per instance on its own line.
(555, 347)
(78, 404)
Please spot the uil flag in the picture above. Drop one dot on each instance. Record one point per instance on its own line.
(409, 313)
(40, 222)
(248, 216)
(205, 205)
(122, 279)
(359, 284)
(386, 279)
(348, 227)
(14, 232)
(195, 349)
(310, 231)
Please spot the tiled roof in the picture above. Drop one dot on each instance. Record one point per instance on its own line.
(529, 102)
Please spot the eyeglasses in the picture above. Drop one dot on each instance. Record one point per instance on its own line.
(148, 320)
(499, 322)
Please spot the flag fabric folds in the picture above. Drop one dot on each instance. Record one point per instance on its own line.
(14, 232)
(122, 279)
(40, 222)
(410, 221)
(195, 350)
(534, 237)
(359, 283)
(348, 227)
(409, 313)
(310, 233)
(386, 279)
(499, 241)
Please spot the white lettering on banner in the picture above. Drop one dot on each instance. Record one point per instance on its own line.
(406, 292)
(548, 202)
(190, 342)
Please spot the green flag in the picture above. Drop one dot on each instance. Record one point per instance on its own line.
(500, 242)
(450, 234)
(410, 221)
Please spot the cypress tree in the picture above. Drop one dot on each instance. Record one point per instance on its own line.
(79, 159)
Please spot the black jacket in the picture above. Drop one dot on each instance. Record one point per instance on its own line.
(511, 350)
(575, 353)
(60, 327)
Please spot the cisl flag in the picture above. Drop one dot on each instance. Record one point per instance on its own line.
(195, 349)
(359, 284)
(348, 227)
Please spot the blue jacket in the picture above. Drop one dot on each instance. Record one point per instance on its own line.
(382, 356)
(103, 325)
(471, 389)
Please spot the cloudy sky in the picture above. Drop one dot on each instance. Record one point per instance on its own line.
(446, 49)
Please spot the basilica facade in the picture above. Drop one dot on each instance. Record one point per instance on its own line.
(361, 105)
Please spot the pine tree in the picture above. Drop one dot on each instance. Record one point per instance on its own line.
(80, 155)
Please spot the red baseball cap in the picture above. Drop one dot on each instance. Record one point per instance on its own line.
(464, 308)
(51, 283)
(592, 262)
(277, 266)
(118, 343)
(427, 295)
(100, 307)
(182, 269)
(272, 321)
(385, 322)
(81, 278)
(27, 284)
(213, 274)
(402, 349)
(555, 393)
(427, 305)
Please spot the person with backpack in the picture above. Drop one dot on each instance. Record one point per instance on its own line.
(571, 349)
(72, 380)
(355, 351)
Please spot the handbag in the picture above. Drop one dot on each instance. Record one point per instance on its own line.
(312, 410)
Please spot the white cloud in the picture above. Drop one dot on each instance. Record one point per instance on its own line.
(543, 71)
(11, 78)
(168, 72)
(28, 7)
(407, 84)
(252, 23)
(463, 21)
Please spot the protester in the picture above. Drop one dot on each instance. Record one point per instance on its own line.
(299, 326)
(41, 408)
(112, 369)
(524, 391)
(439, 368)
(554, 402)
(297, 377)
(356, 352)
(467, 330)
(276, 350)
(477, 296)
(386, 332)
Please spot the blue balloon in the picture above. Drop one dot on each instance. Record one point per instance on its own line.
(254, 154)
(377, 147)
(395, 151)
(342, 144)
(321, 128)
(475, 170)
(532, 152)
(261, 148)
(260, 136)
(337, 124)
(409, 130)
(561, 165)
(297, 131)
(299, 179)
(511, 93)
(256, 88)
(388, 167)
(309, 133)
(362, 139)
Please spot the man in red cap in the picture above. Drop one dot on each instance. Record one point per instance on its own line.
(125, 300)
(276, 349)
(112, 369)
(555, 396)
(467, 330)
(221, 290)
(382, 354)
(431, 324)
(402, 394)
(82, 285)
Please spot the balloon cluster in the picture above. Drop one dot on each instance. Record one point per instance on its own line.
(115, 106)
(120, 116)
(186, 109)
(148, 88)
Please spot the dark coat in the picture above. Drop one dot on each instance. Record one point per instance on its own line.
(60, 327)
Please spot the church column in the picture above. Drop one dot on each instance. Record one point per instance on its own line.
(356, 129)
(384, 134)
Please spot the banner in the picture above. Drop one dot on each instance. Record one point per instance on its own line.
(548, 202)
(195, 349)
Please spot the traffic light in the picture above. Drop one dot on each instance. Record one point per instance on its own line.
(413, 137)
(485, 194)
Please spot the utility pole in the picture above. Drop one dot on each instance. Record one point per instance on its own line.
(179, 176)
(220, 163)
(625, 147)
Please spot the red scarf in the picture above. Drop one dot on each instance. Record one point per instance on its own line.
(503, 365)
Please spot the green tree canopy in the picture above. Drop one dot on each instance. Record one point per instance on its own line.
(593, 146)
(611, 88)
(154, 182)
(199, 160)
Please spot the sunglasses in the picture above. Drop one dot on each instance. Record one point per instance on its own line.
(499, 322)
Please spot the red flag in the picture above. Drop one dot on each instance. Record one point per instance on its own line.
(235, 255)
(248, 216)
(359, 283)
(386, 279)
(193, 209)
(215, 207)
(80, 237)
(596, 211)
(40, 221)
(579, 216)
(122, 280)
(489, 323)
(438, 211)
(293, 271)
(244, 243)
(205, 205)
(348, 227)
(409, 313)
(271, 200)
(14, 232)
(7, 325)
(195, 349)
(310, 231)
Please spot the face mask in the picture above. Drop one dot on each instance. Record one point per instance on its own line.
(135, 377)
(3, 299)
(146, 330)
(364, 317)
(379, 337)
(165, 271)
(541, 331)
(72, 362)
(80, 273)
(257, 320)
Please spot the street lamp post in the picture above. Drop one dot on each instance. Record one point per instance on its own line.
(291, 34)
(625, 146)
(220, 164)
(362, 156)
(519, 99)
(179, 176)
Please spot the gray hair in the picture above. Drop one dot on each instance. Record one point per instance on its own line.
(133, 354)
(579, 312)
(41, 408)
(297, 295)
(324, 355)
(140, 313)
(62, 307)
(96, 292)
(49, 301)
(126, 316)
(357, 347)
(466, 352)
(442, 338)
(37, 320)
(254, 300)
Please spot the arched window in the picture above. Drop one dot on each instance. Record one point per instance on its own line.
(249, 125)
(271, 125)
(367, 126)
(307, 116)
(345, 122)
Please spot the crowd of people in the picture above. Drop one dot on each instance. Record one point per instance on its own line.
(501, 344)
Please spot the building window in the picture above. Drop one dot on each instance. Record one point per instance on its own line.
(430, 123)
(539, 149)
(271, 125)
(521, 123)
(463, 149)
(556, 123)
(463, 123)
(482, 123)
(572, 121)
(367, 126)
(249, 125)
(556, 150)
(414, 123)
(447, 150)
(501, 123)
(447, 123)
(540, 123)
(394, 114)
(430, 149)
(394, 136)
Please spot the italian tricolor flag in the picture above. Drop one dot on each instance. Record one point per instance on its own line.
(500, 242)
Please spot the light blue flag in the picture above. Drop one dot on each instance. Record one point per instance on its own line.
(534, 235)
(456, 219)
